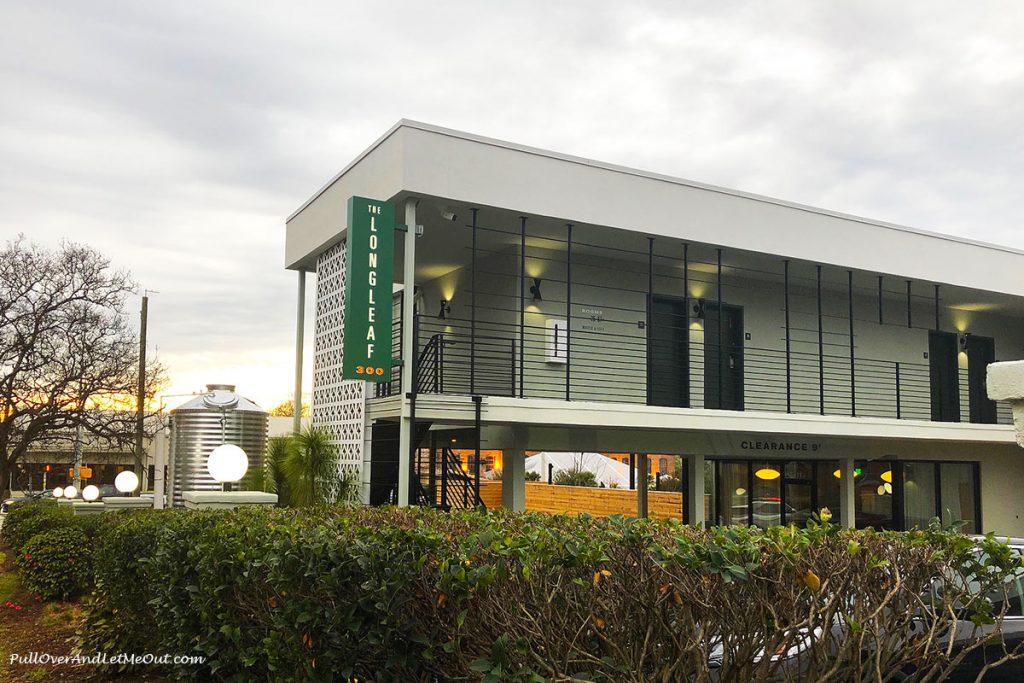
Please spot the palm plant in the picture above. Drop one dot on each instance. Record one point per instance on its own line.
(311, 468)
(275, 480)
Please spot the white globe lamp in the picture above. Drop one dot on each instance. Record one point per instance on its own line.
(90, 493)
(58, 492)
(126, 481)
(70, 492)
(227, 464)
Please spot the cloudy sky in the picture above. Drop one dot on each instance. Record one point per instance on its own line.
(177, 136)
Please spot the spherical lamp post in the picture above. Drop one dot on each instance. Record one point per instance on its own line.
(126, 482)
(58, 492)
(90, 493)
(227, 464)
(70, 492)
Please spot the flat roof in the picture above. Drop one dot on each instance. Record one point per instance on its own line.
(441, 130)
(485, 171)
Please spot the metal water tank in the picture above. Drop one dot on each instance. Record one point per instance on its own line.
(197, 427)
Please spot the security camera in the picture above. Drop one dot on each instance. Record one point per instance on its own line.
(448, 213)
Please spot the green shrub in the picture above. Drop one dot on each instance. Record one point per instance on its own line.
(25, 520)
(57, 563)
(118, 617)
(575, 476)
(396, 595)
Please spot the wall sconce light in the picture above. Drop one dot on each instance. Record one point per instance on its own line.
(445, 309)
(535, 289)
(699, 309)
(448, 213)
(964, 339)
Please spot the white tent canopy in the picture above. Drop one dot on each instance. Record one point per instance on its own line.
(608, 471)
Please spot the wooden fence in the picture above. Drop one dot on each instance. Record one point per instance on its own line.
(573, 500)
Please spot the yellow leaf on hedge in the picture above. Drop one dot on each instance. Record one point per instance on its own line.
(663, 588)
(441, 599)
(599, 622)
(677, 598)
(812, 581)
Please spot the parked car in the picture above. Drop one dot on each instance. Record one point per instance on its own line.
(108, 491)
(7, 503)
(1012, 632)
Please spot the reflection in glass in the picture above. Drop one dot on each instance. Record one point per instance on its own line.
(799, 483)
(828, 488)
(957, 489)
(918, 494)
(767, 500)
(732, 488)
(873, 498)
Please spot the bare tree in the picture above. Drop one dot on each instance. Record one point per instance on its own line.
(68, 353)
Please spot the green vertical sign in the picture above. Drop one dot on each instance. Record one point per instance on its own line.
(368, 285)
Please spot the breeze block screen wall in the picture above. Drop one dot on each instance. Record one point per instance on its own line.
(338, 405)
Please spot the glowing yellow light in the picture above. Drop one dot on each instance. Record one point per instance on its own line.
(886, 476)
(767, 473)
(838, 474)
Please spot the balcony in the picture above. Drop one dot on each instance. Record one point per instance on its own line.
(595, 314)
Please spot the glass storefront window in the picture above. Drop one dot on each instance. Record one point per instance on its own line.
(888, 494)
(874, 495)
(733, 493)
(828, 488)
(767, 500)
(799, 484)
(918, 494)
(957, 494)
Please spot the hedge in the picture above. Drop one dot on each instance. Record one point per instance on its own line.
(406, 595)
(57, 563)
(27, 519)
(53, 548)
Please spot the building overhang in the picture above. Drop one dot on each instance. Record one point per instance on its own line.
(586, 425)
(419, 160)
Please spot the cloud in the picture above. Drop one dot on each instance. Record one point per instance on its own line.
(176, 137)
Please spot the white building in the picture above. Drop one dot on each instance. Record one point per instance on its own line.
(792, 356)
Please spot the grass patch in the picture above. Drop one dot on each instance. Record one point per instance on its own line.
(8, 581)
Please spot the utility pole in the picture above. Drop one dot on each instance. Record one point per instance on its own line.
(76, 478)
(140, 408)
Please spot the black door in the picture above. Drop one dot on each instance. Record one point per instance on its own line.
(981, 351)
(723, 356)
(668, 353)
(945, 382)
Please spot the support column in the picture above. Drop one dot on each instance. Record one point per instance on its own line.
(300, 331)
(159, 464)
(513, 474)
(405, 435)
(847, 494)
(695, 489)
(641, 486)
